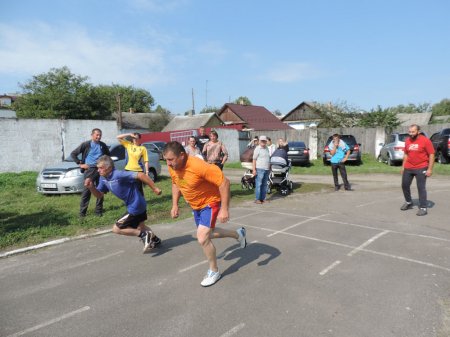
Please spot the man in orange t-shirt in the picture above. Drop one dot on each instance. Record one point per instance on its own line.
(207, 191)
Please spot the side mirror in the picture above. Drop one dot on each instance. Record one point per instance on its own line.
(114, 158)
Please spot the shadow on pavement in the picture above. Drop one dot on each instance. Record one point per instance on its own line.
(168, 244)
(246, 256)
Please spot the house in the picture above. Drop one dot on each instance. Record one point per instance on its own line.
(7, 100)
(250, 117)
(207, 120)
(303, 116)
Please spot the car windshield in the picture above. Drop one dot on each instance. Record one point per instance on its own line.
(296, 144)
(348, 139)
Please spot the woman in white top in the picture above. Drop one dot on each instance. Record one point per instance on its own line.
(192, 149)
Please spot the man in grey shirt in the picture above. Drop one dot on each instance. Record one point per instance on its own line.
(261, 169)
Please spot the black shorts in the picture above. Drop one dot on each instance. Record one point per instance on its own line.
(130, 220)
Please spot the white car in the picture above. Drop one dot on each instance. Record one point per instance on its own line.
(66, 177)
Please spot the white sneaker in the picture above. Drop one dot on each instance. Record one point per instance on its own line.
(242, 237)
(210, 278)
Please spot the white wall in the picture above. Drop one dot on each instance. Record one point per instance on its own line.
(31, 144)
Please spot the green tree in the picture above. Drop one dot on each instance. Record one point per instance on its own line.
(442, 108)
(242, 100)
(379, 118)
(61, 94)
(56, 94)
(411, 108)
(339, 114)
(277, 113)
(209, 109)
(160, 120)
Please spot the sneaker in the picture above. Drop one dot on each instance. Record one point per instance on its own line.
(155, 241)
(422, 211)
(210, 278)
(406, 206)
(242, 237)
(337, 188)
(148, 241)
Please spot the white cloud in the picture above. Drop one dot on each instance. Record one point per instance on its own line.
(292, 72)
(35, 49)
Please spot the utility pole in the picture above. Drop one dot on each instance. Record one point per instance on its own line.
(119, 118)
(193, 105)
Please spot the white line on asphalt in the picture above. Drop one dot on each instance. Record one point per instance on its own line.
(52, 321)
(407, 259)
(295, 225)
(234, 330)
(93, 260)
(331, 266)
(367, 204)
(353, 247)
(206, 261)
(380, 229)
(368, 242)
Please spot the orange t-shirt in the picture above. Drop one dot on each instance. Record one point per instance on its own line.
(198, 182)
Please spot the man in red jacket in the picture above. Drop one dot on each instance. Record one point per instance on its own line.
(417, 162)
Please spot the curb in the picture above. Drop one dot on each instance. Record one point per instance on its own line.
(53, 243)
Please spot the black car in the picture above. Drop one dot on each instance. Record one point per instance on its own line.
(350, 140)
(298, 153)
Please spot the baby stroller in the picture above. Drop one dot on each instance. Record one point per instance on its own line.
(279, 173)
(248, 180)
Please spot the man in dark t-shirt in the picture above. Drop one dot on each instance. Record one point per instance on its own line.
(202, 138)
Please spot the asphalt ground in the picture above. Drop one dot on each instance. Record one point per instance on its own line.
(320, 264)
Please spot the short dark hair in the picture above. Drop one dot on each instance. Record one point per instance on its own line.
(137, 135)
(96, 129)
(336, 135)
(174, 147)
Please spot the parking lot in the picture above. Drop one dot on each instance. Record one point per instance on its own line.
(321, 264)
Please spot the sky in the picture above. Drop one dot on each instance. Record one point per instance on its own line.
(277, 53)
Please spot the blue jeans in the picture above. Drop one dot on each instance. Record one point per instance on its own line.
(262, 176)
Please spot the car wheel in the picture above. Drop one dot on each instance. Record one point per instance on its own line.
(152, 174)
(441, 158)
(390, 162)
(379, 159)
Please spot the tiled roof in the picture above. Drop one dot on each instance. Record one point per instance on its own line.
(255, 117)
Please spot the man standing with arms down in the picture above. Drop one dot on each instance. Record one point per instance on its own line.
(207, 191)
(418, 162)
(90, 151)
(125, 186)
(202, 138)
(339, 152)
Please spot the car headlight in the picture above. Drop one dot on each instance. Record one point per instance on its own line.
(73, 173)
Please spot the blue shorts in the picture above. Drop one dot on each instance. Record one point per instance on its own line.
(207, 216)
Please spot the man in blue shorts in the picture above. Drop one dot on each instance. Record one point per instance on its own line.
(124, 185)
(207, 191)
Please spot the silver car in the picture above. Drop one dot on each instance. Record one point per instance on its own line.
(392, 152)
(66, 177)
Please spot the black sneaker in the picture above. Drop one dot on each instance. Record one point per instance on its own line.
(156, 241)
(337, 188)
(406, 206)
(148, 240)
(422, 212)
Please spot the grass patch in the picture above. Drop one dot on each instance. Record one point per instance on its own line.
(369, 165)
